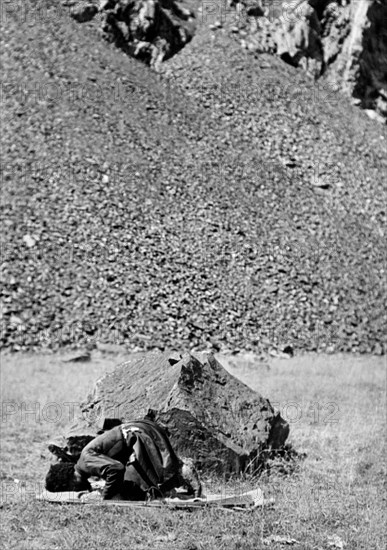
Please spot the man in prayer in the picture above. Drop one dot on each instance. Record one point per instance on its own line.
(136, 460)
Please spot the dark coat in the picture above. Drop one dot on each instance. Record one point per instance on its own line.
(153, 462)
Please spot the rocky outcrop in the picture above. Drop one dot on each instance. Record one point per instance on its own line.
(210, 415)
(344, 40)
(298, 39)
(355, 50)
(150, 30)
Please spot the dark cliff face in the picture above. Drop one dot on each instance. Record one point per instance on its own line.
(343, 41)
(371, 85)
(354, 37)
(150, 30)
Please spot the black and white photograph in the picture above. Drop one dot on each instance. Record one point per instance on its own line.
(193, 308)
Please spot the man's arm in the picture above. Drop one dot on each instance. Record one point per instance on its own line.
(113, 471)
(114, 476)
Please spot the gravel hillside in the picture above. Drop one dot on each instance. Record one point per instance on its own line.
(227, 203)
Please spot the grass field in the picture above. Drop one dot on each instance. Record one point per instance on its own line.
(336, 499)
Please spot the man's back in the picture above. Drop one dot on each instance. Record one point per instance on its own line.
(153, 462)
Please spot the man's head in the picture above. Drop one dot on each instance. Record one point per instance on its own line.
(64, 477)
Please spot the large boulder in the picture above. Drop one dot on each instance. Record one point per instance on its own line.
(210, 415)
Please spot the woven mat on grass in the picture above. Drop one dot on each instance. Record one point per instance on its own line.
(241, 501)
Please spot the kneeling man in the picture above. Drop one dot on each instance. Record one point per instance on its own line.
(136, 460)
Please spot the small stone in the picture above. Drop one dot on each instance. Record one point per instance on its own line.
(288, 350)
(373, 115)
(30, 242)
(334, 541)
(378, 349)
(255, 11)
(320, 182)
(110, 348)
(15, 320)
(106, 4)
(83, 12)
(78, 357)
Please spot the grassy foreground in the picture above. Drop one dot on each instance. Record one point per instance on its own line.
(337, 498)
